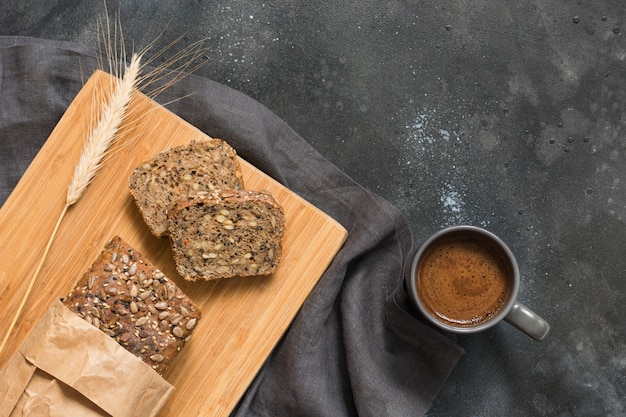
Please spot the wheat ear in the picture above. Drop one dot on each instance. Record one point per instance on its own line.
(100, 138)
(105, 131)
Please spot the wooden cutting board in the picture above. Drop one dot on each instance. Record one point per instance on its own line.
(243, 318)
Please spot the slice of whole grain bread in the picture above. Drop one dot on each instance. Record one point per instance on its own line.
(197, 167)
(226, 233)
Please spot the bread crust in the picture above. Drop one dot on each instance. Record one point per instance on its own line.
(132, 301)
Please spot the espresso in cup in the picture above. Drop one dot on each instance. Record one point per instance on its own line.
(463, 279)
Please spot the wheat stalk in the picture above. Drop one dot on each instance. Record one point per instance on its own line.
(99, 139)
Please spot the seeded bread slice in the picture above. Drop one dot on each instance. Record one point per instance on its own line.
(129, 299)
(227, 233)
(197, 167)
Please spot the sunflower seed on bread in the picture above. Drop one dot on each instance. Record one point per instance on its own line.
(129, 299)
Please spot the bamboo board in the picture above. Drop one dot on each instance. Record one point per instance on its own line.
(243, 318)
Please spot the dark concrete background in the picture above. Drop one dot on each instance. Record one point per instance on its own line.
(504, 114)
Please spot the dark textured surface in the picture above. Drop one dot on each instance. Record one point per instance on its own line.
(507, 115)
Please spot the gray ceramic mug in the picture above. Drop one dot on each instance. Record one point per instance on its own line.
(464, 279)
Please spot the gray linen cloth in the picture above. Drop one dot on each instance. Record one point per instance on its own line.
(356, 347)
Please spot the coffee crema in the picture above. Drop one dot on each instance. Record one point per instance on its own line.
(463, 280)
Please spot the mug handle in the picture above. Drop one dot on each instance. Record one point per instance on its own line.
(527, 321)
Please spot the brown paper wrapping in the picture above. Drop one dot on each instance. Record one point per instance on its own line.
(67, 367)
